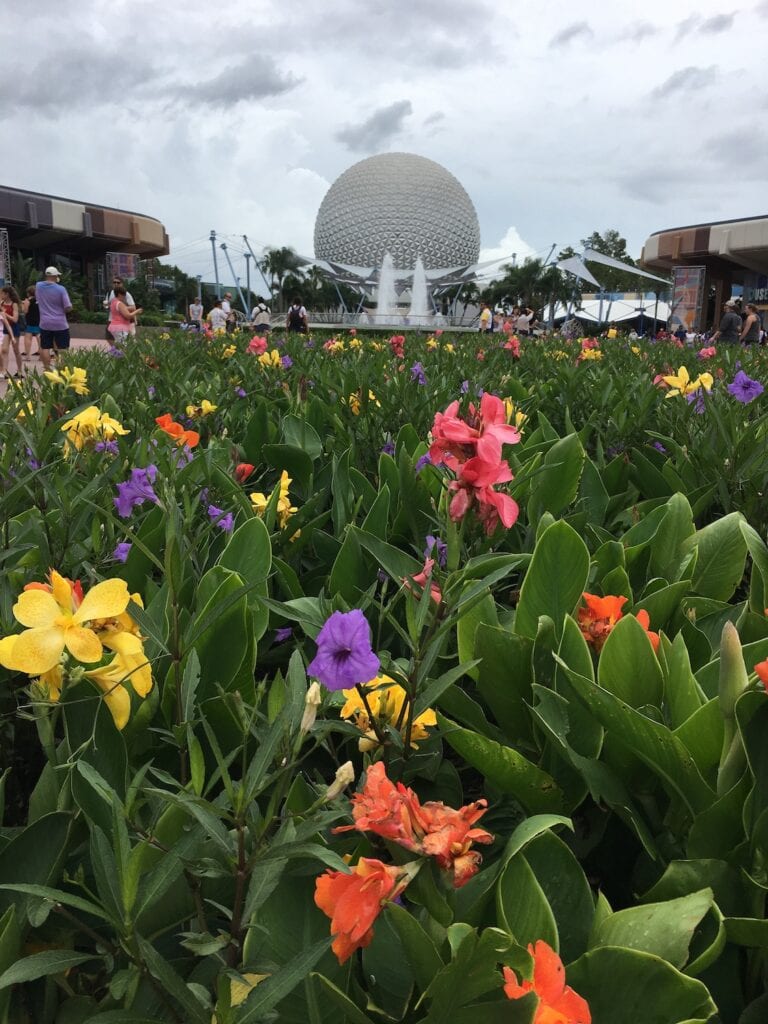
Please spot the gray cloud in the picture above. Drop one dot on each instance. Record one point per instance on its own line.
(639, 31)
(745, 149)
(576, 30)
(435, 118)
(249, 80)
(687, 26)
(377, 130)
(684, 80)
(718, 23)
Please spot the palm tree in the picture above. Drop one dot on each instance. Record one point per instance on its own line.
(279, 263)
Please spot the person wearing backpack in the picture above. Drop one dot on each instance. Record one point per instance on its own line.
(296, 320)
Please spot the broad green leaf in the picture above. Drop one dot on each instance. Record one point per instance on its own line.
(174, 985)
(422, 954)
(722, 552)
(503, 766)
(40, 965)
(505, 677)
(482, 613)
(35, 856)
(747, 931)
(352, 1014)
(565, 886)
(664, 929)
(556, 483)
(392, 560)
(555, 580)
(522, 906)
(277, 986)
(668, 553)
(628, 668)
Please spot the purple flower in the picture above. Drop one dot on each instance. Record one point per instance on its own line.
(422, 462)
(464, 387)
(116, 353)
(182, 456)
(344, 656)
(32, 461)
(389, 448)
(151, 391)
(136, 491)
(440, 548)
(659, 447)
(698, 398)
(240, 392)
(480, 392)
(107, 446)
(283, 634)
(418, 375)
(286, 362)
(225, 521)
(121, 552)
(744, 389)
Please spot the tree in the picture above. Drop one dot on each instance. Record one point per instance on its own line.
(611, 243)
(529, 284)
(278, 264)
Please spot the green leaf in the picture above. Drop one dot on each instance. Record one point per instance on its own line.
(522, 906)
(565, 886)
(664, 929)
(504, 678)
(35, 856)
(722, 552)
(555, 485)
(300, 434)
(269, 992)
(504, 767)
(668, 553)
(471, 973)
(393, 561)
(249, 554)
(555, 581)
(626, 986)
(351, 1013)
(747, 931)
(422, 954)
(174, 985)
(628, 668)
(482, 613)
(40, 965)
(46, 892)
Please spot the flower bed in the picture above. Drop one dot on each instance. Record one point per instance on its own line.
(385, 679)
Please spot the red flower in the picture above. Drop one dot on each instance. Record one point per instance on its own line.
(599, 617)
(394, 812)
(397, 344)
(762, 672)
(558, 1003)
(257, 346)
(242, 471)
(513, 344)
(354, 901)
(645, 621)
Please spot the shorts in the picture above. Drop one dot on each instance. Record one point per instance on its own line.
(51, 339)
(33, 329)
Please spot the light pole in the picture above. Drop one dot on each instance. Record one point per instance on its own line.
(248, 277)
(215, 264)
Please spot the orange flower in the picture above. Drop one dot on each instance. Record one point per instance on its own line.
(558, 1003)
(431, 829)
(599, 617)
(762, 673)
(354, 901)
(175, 430)
(645, 621)
(243, 470)
(74, 585)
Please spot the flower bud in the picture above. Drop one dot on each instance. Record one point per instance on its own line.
(733, 672)
(311, 704)
(345, 776)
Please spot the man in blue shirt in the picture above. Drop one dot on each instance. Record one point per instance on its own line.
(54, 304)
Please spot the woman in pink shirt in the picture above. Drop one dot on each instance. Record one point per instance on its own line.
(120, 316)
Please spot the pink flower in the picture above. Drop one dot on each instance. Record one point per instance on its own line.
(590, 343)
(257, 346)
(438, 332)
(352, 331)
(707, 353)
(485, 432)
(513, 345)
(424, 578)
(397, 344)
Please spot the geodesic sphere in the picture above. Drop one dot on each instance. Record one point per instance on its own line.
(401, 203)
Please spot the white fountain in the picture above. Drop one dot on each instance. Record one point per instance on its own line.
(386, 310)
(419, 312)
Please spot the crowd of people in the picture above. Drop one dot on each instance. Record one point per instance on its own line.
(222, 317)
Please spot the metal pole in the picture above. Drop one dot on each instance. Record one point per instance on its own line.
(258, 265)
(215, 264)
(200, 287)
(223, 247)
(248, 279)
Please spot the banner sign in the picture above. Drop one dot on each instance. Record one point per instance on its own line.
(688, 298)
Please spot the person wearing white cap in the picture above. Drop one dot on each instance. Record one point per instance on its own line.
(54, 304)
(730, 325)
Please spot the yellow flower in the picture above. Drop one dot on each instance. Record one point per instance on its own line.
(229, 351)
(26, 410)
(514, 415)
(76, 378)
(431, 344)
(271, 359)
(109, 679)
(386, 699)
(559, 354)
(204, 409)
(449, 347)
(284, 507)
(635, 350)
(681, 383)
(56, 621)
(49, 685)
(355, 343)
(590, 353)
(354, 401)
(376, 346)
(89, 426)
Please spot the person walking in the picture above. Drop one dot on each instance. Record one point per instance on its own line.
(32, 316)
(196, 313)
(261, 318)
(54, 304)
(217, 318)
(226, 305)
(12, 323)
(730, 324)
(296, 318)
(121, 315)
(129, 300)
(486, 319)
(750, 331)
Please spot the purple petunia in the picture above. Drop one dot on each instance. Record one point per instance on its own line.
(698, 397)
(282, 634)
(744, 389)
(417, 374)
(136, 491)
(344, 656)
(388, 448)
(116, 353)
(421, 462)
(121, 552)
(464, 387)
(240, 392)
(659, 447)
(107, 446)
(440, 549)
(224, 520)
(286, 362)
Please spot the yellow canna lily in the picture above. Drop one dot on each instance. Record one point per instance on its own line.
(681, 383)
(449, 348)
(515, 416)
(386, 699)
(285, 509)
(76, 378)
(204, 409)
(271, 359)
(109, 679)
(56, 621)
(91, 425)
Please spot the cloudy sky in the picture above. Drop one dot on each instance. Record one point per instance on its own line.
(558, 118)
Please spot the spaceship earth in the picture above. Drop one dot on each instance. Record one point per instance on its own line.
(401, 203)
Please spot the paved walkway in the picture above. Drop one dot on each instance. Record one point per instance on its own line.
(34, 362)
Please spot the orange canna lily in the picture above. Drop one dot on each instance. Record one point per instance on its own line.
(762, 673)
(394, 812)
(645, 621)
(598, 618)
(354, 901)
(175, 430)
(558, 1003)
